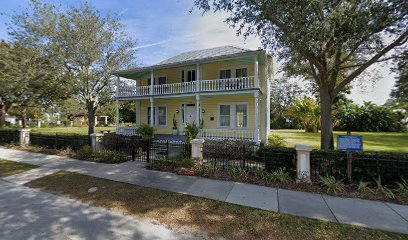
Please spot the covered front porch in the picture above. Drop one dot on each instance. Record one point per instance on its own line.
(220, 117)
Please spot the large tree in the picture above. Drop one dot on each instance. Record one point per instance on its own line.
(29, 80)
(330, 41)
(86, 45)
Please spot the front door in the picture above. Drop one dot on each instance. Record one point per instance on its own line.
(188, 115)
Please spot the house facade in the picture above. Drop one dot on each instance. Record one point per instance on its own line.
(223, 90)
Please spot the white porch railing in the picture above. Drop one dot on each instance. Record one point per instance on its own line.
(127, 131)
(222, 85)
(228, 84)
(227, 134)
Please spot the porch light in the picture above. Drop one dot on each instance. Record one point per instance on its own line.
(203, 111)
(177, 111)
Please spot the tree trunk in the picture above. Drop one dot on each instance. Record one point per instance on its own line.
(24, 119)
(91, 117)
(2, 116)
(326, 120)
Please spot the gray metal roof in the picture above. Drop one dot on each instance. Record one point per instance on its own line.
(204, 54)
(191, 57)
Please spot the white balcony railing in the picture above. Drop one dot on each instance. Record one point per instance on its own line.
(127, 131)
(227, 134)
(229, 84)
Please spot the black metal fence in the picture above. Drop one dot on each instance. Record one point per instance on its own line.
(365, 166)
(59, 141)
(9, 136)
(134, 148)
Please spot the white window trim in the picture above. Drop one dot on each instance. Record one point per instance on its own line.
(156, 116)
(233, 115)
(186, 69)
(233, 70)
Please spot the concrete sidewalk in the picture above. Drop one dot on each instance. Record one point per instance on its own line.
(371, 214)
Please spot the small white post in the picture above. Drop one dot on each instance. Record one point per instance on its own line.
(96, 141)
(303, 163)
(197, 149)
(198, 78)
(151, 111)
(117, 102)
(24, 137)
(39, 123)
(198, 110)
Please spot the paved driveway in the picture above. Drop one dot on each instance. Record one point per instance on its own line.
(31, 214)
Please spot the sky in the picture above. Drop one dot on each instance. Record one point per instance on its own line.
(164, 28)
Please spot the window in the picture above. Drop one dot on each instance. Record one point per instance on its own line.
(234, 115)
(226, 73)
(182, 76)
(225, 115)
(241, 72)
(162, 80)
(149, 83)
(162, 118)
(241, 115)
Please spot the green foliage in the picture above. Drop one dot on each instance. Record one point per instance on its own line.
(279, 176)
(164, 162)
(363, 187)
(145, 130)
(402, 188)
(85, 152)
(275, 140)
(307, 112)
(127, 111)
(332, 185)
(341, 42)
(382, 190)
(174, 122)
(107, 156)
(86, 47)
(368, 117)
(236, 171)
(191, 130)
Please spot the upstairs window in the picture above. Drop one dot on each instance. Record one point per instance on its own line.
(241, 72)
(162, 80)
(225, 73)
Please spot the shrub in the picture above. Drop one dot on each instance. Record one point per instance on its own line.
(108, 156)
(279, 176)
(191, 130)
(331, 184)
(402, 189)
(275, 140)
(363, 187)
(164, 162)
(145, 130)
(382, 190)
(85, 152)
(236, 171)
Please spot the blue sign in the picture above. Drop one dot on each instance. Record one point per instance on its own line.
(350, 143)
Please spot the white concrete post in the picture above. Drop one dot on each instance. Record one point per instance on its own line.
(256, 122)
(198, 110)
(151, 111)
(39, 124)
(117, 103)
(151, 82)
(303, 163)
(24, 137)
(96, 141)
(256, 71)
(197, 149)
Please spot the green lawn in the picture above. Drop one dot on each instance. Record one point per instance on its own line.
(206, 218)
(8, 168)
(372, 141)
(73, 130)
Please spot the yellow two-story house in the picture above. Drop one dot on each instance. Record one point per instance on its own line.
(223, 90)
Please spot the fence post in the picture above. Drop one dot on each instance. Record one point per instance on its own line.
(96, 142)
(303, 163)
(197, 149)
(24, 137)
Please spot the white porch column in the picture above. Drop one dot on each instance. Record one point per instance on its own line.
(198, 78)
(151, 111)
(117, 102)
(256, 71)
(138, 105)
(198, 110)
(151, 82)
(256, 122)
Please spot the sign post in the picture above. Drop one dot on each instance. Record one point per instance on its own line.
(349, 144)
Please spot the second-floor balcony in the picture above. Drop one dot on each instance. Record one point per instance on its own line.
(216, 85)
